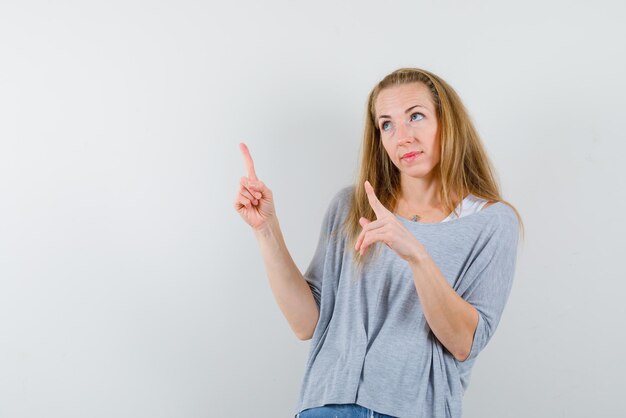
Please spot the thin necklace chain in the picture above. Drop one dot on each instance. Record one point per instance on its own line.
(416, 217)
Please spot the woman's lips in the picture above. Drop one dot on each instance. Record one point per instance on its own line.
(411, 156)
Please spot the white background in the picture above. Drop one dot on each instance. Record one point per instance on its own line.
(130, 287)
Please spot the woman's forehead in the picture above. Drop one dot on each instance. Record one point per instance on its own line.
(399, 98)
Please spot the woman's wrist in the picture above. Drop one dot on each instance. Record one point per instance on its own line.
(270, 227)
(419, 256)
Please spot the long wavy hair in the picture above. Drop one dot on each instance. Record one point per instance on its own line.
(464, 166)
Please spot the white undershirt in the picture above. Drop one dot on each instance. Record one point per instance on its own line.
(471, 204)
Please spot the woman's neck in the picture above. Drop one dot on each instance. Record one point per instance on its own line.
(419, 196)
(420, 193)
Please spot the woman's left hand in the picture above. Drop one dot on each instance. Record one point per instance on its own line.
(388, 229)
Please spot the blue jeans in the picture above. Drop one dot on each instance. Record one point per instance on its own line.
(350, 410)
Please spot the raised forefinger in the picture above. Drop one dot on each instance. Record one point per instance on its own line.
(248, 159)
(379, 209)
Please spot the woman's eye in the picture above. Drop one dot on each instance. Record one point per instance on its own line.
(384, 125)
(417, 114)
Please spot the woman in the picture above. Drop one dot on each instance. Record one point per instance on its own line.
(395, 332)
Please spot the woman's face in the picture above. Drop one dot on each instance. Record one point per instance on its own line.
(407, 121)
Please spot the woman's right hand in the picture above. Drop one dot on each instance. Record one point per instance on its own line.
(254, 201)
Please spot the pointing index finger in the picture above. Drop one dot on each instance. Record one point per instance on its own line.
(248, 159)
(378, 207)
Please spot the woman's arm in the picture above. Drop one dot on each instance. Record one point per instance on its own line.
(291, 291)
(465, 318)
(451, 319)
(255, 203)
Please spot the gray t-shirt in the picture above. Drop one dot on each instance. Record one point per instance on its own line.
(372, 345)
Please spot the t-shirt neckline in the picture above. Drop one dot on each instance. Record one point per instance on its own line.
(451, 221)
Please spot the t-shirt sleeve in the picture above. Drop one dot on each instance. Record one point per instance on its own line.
(489, 280)
(315, 272)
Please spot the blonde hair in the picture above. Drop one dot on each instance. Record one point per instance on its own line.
(464, 166)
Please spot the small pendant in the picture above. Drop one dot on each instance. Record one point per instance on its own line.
(415, 218)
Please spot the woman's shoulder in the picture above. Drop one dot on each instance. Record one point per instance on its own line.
(342, 197)
(503, 218)
(502, 208)
(339, 204)
(489, 214)
(346, 192)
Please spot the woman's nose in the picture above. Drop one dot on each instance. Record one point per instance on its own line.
(403, 132)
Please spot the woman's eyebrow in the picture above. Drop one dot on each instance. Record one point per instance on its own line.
(406, 111)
